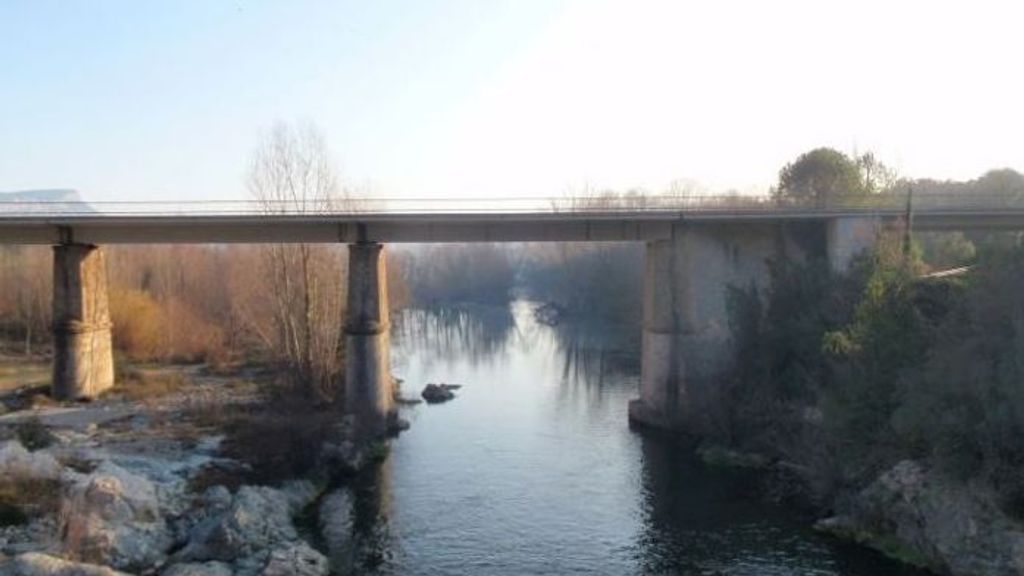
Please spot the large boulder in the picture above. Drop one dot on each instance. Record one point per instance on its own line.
(258, 519)
(916, 515)
(113, 517)
(37, 564)
(17, 462)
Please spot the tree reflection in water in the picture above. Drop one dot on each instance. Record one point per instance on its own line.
(475, 331)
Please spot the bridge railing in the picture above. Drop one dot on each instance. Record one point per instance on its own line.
(887, 203)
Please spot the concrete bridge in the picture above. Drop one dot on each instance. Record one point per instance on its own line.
(695, 248)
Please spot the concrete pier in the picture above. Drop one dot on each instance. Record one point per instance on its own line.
(369, 394)
(662, 394)
(849, 237)
(687, 339)
(83, 362)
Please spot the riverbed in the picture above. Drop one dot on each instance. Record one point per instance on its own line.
(533, 468)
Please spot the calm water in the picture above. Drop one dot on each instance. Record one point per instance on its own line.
(533, 469)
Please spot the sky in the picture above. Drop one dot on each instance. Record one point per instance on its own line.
(127, 100)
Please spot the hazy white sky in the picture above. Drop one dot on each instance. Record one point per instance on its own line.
(138, 100)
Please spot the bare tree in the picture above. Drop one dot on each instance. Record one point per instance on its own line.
(291, 173)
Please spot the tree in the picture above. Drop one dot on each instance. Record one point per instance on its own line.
(824, 175)
(291, 173)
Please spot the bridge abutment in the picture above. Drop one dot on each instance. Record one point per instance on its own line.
(83, 362)
(369, 396)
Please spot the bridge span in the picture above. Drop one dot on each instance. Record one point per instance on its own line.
(695, 249)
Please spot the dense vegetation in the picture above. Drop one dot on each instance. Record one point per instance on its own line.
(846, 374)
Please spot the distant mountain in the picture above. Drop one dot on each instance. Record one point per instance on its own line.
(61, 201)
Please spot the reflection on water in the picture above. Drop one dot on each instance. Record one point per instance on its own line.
(472, 332)
(532, 469)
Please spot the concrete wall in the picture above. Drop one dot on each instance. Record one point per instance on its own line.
(83, 364)
(687, 342)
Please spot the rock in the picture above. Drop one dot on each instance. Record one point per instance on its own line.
(216, 498)
(435, 394)
(258, 519)
(396, 425)
(336, 521)
(199, 569)
(296, 559)
(300, 493)
(113, 517)
(36, 564)
(16, 461)
(915, 515)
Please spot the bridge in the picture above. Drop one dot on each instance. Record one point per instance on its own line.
(696, 246)
(463, 219)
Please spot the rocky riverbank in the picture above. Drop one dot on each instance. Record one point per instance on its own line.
(909, 513)
(158, 487)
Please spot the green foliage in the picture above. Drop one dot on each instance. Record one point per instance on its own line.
(944, 250)
(891, 364)
(965, 408)
(781, 364)
(887, 338)
(824, 175)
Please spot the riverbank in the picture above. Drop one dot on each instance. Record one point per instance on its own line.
(177, 471)
(909, 513)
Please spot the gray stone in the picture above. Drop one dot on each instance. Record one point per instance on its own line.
(217, 497)
(296, 559)
(336, 522)
(199, 569)
(300, 493)
(258, 519)
(113, 517)
(914, 514)
(16, 461)
(37, 564)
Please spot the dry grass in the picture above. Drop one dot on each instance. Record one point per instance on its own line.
(17, 373)
(144, 384)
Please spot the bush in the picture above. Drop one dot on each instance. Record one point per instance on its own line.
(146, 329)
(33, 434)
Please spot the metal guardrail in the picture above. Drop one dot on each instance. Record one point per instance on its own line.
(880, 203)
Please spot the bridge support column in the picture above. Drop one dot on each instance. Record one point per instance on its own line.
(369, 396)
(847, 237)
(83, 362)
(662, 391)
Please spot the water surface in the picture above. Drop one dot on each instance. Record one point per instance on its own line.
(533, 469)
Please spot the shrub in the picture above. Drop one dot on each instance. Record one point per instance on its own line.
(33, 434)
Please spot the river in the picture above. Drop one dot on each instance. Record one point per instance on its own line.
(533, 469)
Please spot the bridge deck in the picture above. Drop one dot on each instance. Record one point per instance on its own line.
(609, 227)
(492, 220)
